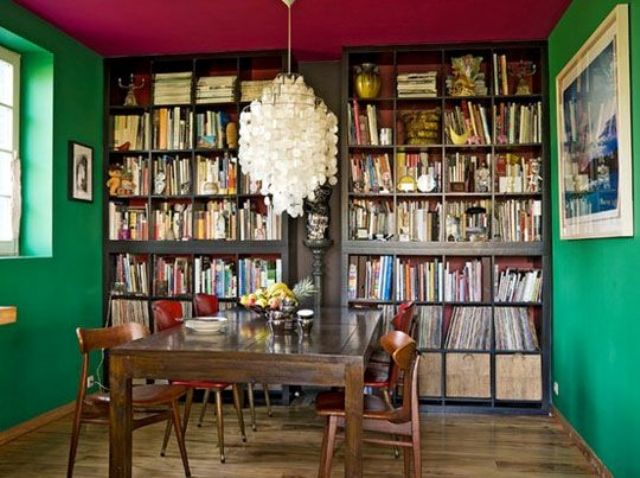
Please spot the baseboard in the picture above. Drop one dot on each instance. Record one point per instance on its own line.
(582, 445)
(35, 423)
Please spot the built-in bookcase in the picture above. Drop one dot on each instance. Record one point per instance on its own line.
(188, 220)
(458, 224)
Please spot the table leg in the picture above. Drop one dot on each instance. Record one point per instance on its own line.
(354, 374)
(119, 419)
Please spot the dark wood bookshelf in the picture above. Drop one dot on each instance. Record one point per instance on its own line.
(393, 60)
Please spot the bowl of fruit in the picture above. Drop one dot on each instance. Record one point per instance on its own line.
(278, 300)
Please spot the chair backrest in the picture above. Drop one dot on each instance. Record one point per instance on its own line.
(166, 314)
(404, 355)
(205, 304)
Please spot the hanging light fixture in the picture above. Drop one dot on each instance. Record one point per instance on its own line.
(288, 140)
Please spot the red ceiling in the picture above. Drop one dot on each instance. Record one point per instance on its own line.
(320, 27)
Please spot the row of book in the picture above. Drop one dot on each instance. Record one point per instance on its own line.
(172, 88)
(371, 219)
(469, 172)
(252, 89)
(417, 84)
(134, 174)
(518, 174)
(172, 222)
(171, 276)
(172, 128)
(124, 311)
(418, 280)
(172, 175)
(518, 220)
(130, 132)
(471, 283)
(128, 222)
(259, 222)
(468, 220)
(467, 123)
(216, 89)
(469, 329)
(428, 326)
(211, 129)
(424, 170)
(256, 272)
(518, 285)
(516, 123)
(371, 173)
(419, 220)
(515, 329)
(130, 275)
(216, 175)
(215, 276)
(218, 221)
(363, 125)
(370, 278)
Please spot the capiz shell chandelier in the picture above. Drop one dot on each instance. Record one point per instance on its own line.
(288, 141)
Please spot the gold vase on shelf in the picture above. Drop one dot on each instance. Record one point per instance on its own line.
(367, 81)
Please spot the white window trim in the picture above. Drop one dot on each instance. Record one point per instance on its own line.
(10, 248)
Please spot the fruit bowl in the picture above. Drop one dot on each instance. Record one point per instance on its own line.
(278, 301)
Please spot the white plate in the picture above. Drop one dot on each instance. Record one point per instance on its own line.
(206, 324)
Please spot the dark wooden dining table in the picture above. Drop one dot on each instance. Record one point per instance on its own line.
(335, 353)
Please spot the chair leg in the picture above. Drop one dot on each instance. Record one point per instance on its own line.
(220, 422)
(267, 399)
(165, 440)
(387, 400)
(252, 408)
(205, 401)
(180, 437)
(328, 444)
(75, 435)
(417, 455)
(406, 453)
(187, 410)
(238, 407)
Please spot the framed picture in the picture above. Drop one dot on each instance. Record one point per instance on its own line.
(594, 135)
(80, 172)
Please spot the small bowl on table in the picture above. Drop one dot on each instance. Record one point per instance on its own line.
(305, 320)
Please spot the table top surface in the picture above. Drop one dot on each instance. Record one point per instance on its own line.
(336, 332)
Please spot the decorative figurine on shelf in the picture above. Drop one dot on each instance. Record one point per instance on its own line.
(535, 179)
(318, 214)
(523, 70)
(367, 81)
(127, 186)
(602, 175)
(159, 183)
(115, 177)
(482, 177)
(130, 99)
(467, 79)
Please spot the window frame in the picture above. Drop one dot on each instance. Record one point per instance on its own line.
(11, 248)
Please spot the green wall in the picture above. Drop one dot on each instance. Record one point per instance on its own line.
(596, 331)
(58, 286)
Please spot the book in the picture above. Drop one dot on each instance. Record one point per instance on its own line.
(124, 311)
(518, 285)
(371, 173)
(419, 220)
(215, 275)
(171, 276)
(216, 220)
(469, 329)
(417, 84)
(252, 89)
(469, 282)
(172, 88)
(372, 278)
(418, 279)
(216, 175)
(131, 275)
(469, 172)
(216, 89)
(515, 329)
(171, 175)
(371, 219)
(468, 119)
(258, 272)
(259, 222)
(518, 220)
(134, 176)
(516, 123)
(468, 221)
(172, 221)
(130, 132)
(128, 222)
(211, 129)
(172, 128)
(417, 165)
(429, 326)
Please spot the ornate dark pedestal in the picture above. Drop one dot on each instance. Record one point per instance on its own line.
(319, 249)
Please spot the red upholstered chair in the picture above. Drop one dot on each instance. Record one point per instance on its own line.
(207, 304)
(151, 403)
(167, 314)
(403, 421)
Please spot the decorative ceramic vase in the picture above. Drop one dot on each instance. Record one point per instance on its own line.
(367, 81)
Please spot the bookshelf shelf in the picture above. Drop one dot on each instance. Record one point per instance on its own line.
(171, 98)
(510, 187)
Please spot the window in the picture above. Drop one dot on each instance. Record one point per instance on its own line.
(9, 142)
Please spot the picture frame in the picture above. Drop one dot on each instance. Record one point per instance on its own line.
(593, 102)
(80, 172)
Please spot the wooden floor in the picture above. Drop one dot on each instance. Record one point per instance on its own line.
(288, 445)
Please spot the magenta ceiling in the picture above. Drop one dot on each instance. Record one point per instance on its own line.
(320, 27)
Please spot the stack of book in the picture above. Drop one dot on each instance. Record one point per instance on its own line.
(259, 222)
(517, 174)
(468, 220)
(131, 275)
(418, 85)
(172, 128)
(216, 175)
(518, 285)
(500, 75)
(128, 222)
(252, 89)
(249, 186)
(135, 170)
(415, 165)
(518, 220)
(429, 326)
(370, 278)
(127, 311)
(468, 120)
(172, 88)
(172, 222)
(371, 219)
(256, 272)
(130, 132)
(363, 125)
(419, 220)
(215, 276)
(418, 280)
(515, 329)
(371, 173)
(217, 222)
(172, 276)
(216, 89)
(517, 123)
(211, 129)
(176, 172)
(470, 329)
(471, 283)
(461, 173)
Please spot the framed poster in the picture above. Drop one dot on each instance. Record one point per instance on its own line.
(594, 135)
(80, 172)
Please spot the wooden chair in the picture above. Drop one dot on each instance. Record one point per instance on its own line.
(167, 314)
(151, 403)
(403, 421)
(207, 304)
